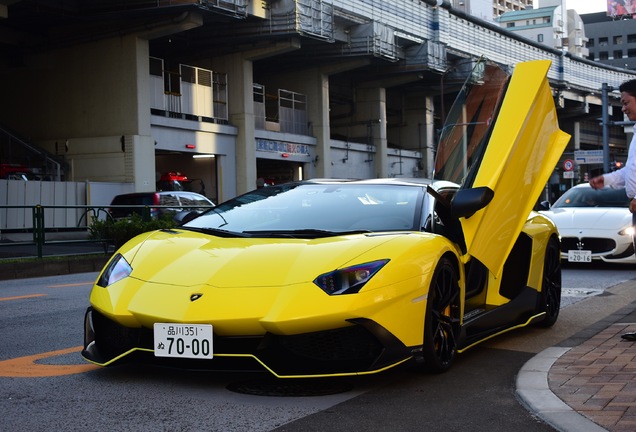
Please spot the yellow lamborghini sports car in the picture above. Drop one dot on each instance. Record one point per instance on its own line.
(345, 277)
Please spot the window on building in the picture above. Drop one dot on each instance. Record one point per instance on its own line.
(602, 41)
(618, 54)
(590, 43)
(510, 25)
(540, 38)
(591, 57)
(156, 67)
(547, 20)
(618, 40)
(603, 55)
(631, 53)
(631, 38)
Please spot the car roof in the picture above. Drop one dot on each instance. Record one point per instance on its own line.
(406, 181)
(128, 197)
(134, 194)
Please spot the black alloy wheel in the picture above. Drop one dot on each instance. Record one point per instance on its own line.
(550, 295)
(442, 320)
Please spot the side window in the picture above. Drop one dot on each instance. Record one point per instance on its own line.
(169, 200)
(191, 200)
(187, 200)
(202, 202)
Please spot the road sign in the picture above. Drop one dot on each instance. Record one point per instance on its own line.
(588, 156)
(568, 174)
(568, 165)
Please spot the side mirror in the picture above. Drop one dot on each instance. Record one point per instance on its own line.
(468, 201)
(544, 205)
(185, 216)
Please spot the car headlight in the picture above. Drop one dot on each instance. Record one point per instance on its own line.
(349, 280)
(117, 269)
(628, 231)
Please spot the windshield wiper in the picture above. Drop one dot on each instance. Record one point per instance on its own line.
(215, 231)
(303, 233)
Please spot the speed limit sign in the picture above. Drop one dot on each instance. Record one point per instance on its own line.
(568, 165)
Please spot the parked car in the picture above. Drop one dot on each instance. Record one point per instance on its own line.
(595, 225)
(337, 277)
(11, 171)
(181, 204)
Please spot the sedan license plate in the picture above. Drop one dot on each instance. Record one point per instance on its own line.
(579, 255)
(183, 340)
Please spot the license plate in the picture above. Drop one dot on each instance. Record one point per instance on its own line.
(580, 256)
(183, 340)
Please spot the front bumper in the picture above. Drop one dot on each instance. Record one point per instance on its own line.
(361, 348)
(605, 249)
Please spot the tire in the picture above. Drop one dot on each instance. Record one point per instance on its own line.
(442, 320)
(550, 295)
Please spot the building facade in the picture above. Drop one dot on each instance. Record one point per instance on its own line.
(490, 10)
(611, 40)
(551, 26)
(239, 93)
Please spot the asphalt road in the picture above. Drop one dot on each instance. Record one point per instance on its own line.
(45, 385)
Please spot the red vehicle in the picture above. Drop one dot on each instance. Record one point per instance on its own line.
(11, 171)
(176, 181)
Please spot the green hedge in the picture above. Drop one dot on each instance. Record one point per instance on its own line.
(118, 232)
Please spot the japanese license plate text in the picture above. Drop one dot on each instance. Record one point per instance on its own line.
(183, 340)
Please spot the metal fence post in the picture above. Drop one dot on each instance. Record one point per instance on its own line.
(38, 225)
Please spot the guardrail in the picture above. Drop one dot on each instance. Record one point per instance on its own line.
(35, 239)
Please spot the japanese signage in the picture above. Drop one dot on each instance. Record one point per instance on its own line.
(282, 147)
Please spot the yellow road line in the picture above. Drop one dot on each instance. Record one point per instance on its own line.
(21, 297)
(71, 285)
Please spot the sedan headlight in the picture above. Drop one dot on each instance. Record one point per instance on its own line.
(117, 269)
(628, 231)
(349, 280)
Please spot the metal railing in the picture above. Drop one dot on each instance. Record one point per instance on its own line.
(34, 239)
(31, 239)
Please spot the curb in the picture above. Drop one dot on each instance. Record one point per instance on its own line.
(534, 393)
(43, 267)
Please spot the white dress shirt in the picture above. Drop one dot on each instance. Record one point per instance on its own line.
(626, 176)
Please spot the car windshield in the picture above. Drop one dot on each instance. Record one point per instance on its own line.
(465, 133)
(588, 197)
(317, 209)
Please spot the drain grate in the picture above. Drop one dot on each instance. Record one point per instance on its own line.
(291, 387)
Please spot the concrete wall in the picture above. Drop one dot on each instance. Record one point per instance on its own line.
(90, 104)
(17, 198)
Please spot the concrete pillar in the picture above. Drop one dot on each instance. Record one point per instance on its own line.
(143, 144)
(428, 153)
(371, 112)
(142, 161)
(315, 85)
(581, 171)
(241, 112)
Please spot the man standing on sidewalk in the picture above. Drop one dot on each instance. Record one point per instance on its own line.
(626, 176)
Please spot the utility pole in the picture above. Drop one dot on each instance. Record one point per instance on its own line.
(605, 89)
(606, 123)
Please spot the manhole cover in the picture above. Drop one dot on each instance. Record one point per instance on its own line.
(290, 387)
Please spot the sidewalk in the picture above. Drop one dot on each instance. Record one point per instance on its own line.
(65, 252)
(588, 382)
